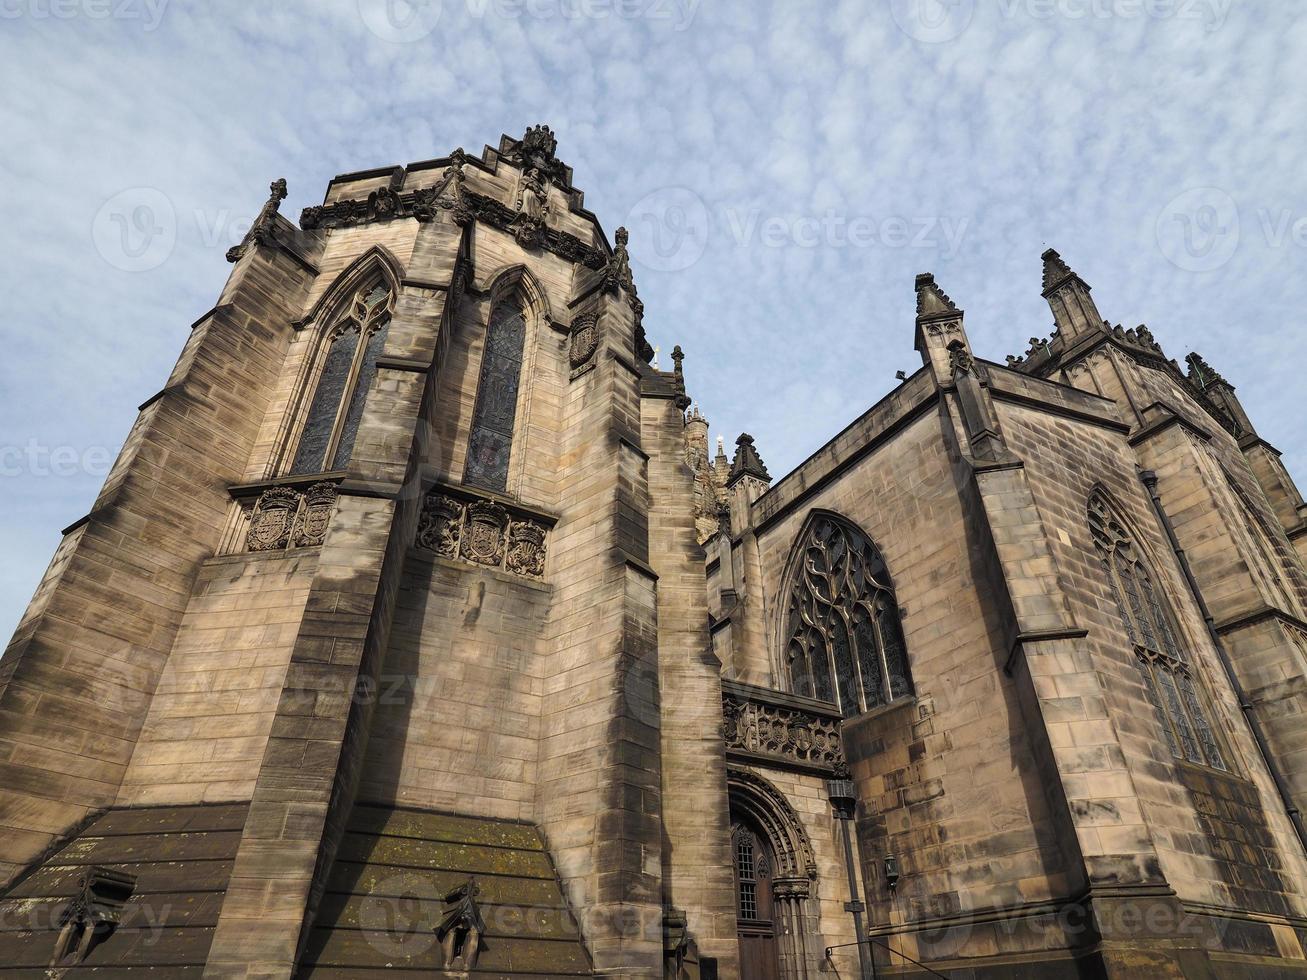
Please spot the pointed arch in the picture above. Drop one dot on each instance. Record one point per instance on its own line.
(841, 638)
(1171, 681)
(518, 280)
(756, 798)
(350, 323)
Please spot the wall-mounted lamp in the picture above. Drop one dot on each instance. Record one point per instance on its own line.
(891, 872)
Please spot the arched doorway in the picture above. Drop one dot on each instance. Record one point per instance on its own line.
(754, 902)
(775, 883)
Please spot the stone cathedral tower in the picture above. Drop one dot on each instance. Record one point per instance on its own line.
(415, 629)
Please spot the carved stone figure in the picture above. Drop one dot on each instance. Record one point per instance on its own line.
(270, 523)
(617, 275)
(461, 927)
(483, 534)
(532, 206)
(439, 524)
(459, 208)
(261, 231)
(526, 548)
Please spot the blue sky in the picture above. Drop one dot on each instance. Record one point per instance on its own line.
(785, 169)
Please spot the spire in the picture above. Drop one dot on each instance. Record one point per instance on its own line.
(1068, 297)
(1202, 374)
(747, 461)
(1219, 394)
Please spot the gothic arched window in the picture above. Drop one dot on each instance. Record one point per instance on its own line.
(347, 372)
(491, 440)
(845, 642)
(1150, 625)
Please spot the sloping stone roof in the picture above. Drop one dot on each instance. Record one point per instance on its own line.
(181, 857)
(384, 899)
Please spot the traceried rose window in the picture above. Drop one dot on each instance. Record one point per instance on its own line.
(350, 365)
(845, 640)
(491, 441)
(1167, 673)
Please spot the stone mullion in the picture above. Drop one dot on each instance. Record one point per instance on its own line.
(310, 769)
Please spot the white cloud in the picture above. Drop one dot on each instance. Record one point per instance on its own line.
(1073, 131)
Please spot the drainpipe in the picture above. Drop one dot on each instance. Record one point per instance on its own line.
(844, 800)
(1149, 479)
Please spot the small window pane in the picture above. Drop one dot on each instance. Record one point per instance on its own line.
(1171, 698)
(367, 371)
(491, 441)
(1201, 726)
(321, 419)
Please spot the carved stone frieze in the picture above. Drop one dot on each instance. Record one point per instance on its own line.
(284, 517)
(483, 532)
(754, 727)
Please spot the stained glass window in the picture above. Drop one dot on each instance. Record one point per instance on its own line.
(1167, 672)
(845, 640)
(491, 441)
(347, 372)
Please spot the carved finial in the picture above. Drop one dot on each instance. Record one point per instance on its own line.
(1203, 374)
(931, 300)
(623, 237)
(678, 356)
(617, 273)
(721, 447)
(654, 363)
(747, 462)
(1055, 270)
(261, 231)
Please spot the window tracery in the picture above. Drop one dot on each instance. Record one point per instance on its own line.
(845, 641)
(350, 364)
(1166, 671)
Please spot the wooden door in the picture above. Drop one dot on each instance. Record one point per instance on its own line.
(753, 905)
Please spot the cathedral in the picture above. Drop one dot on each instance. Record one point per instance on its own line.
(420, 627)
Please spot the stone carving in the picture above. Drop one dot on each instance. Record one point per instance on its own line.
(584, 340)
(454, 180)
(92, 913)
(526, 548)
(271, 521)
(423, 203)
(284, 517)
(617, 272)
(261, 231)
(311, 524)
(789, 734)
(532, 207)
(960, 359)
(483, 533)
(439, 524)
(536, 150)
(460, 929)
